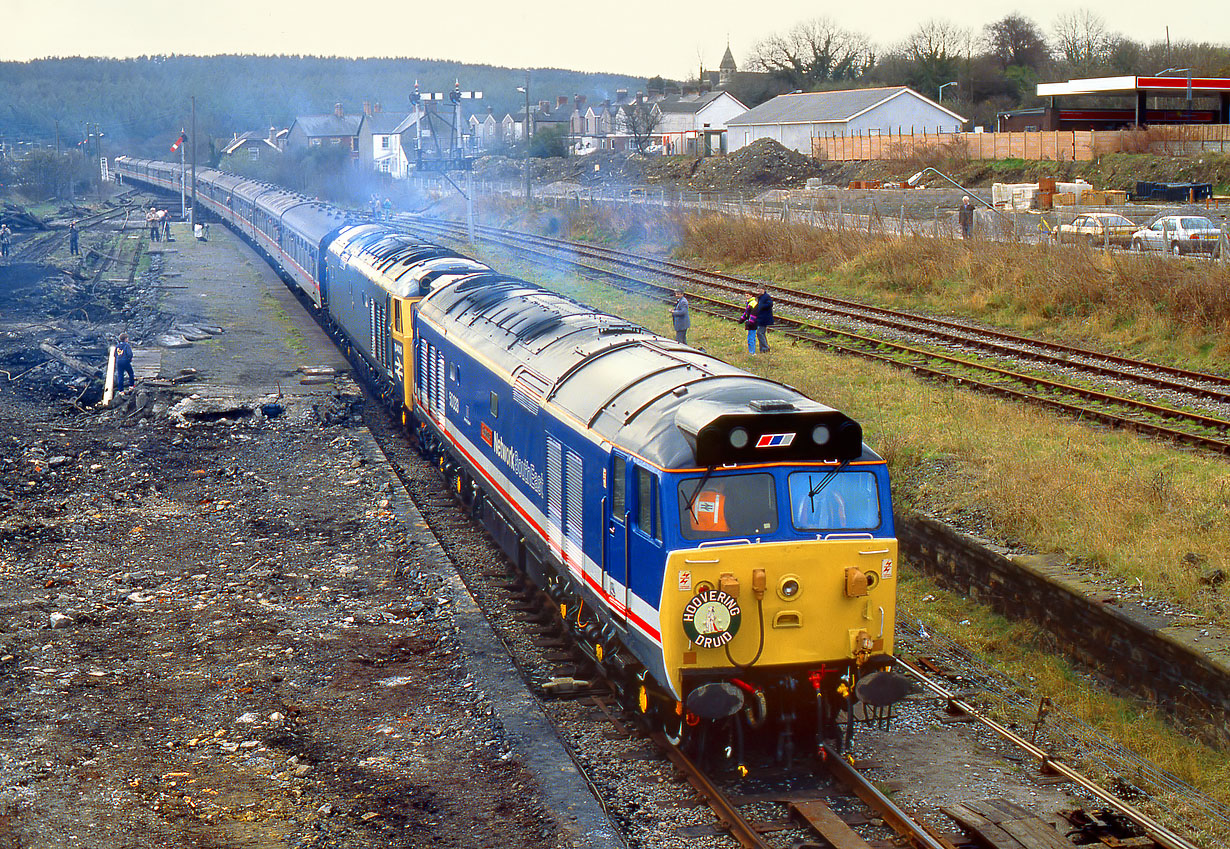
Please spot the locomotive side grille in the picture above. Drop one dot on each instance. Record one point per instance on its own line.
(380, 331)
(439, 378)
(572, 528)
(423, 377)
(555, 491)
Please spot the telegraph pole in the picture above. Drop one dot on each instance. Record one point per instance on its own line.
(525, 136)
(183, 203)
(193, 218)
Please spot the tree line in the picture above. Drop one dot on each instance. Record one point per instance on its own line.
(142, 104)
(996, 67)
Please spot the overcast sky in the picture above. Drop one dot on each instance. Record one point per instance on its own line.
(667, 38)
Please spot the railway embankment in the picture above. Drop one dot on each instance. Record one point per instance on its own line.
(1148, 649)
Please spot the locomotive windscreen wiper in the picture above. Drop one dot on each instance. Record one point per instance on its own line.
(696, 492)
(824, 481)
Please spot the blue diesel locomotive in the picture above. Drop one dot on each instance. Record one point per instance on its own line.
(721, 544)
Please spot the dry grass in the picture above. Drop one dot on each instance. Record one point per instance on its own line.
(1152, 304)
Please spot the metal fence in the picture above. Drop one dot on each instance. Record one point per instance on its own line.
(874, 212)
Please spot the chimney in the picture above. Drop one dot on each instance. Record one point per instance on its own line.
(542, 105)
(621, 94)
(273, 136)
(234, 135)
(377, 108)
(337, 110)
(579, 100)
(561, 102)
(491, 111)
(367, 108)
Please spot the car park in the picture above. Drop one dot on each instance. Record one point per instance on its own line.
(1179, 234)
(1096, 229)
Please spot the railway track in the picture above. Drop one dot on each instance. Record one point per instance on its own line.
(1181, 405)
(41, 247)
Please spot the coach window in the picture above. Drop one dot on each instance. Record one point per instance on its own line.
(495, 405)
(648, 516)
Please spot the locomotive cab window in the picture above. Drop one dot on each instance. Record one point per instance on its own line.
(828, 501)
(454, 374)
(495, 405)
(727, 506)
(648, 511)
(619, 476)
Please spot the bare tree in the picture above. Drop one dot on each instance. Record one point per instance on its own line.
(937, 49)
(814, 52)
(639, 119)
(1015, 40)
(1081, 39)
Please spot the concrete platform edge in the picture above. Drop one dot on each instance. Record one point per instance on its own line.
(565, 791)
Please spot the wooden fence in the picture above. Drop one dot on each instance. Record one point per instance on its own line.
(1053, 145)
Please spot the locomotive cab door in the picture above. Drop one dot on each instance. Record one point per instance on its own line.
(617, 520)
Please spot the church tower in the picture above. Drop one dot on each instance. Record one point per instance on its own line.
(726, 70)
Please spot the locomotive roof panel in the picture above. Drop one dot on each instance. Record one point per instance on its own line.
(630, 387)
(397, 261)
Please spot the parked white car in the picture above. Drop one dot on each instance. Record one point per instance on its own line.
(1178, 234)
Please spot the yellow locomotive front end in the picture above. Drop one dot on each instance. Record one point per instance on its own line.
(777, 604)
(777, 608)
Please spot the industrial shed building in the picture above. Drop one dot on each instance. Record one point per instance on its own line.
(795, 119)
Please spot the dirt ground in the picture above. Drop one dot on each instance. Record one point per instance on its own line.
(214, 630)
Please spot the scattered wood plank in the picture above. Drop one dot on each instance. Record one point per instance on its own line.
(830, 826)
(1006, 825)
(72, 362)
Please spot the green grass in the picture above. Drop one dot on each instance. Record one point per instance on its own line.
(292, 336)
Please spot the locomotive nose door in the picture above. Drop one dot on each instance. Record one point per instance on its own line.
(615, 535)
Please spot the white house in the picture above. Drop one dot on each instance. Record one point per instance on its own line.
(795, 119)
(695, 123)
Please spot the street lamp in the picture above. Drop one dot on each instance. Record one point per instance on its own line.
(1189, 83)
(525, 133)
(944, 86)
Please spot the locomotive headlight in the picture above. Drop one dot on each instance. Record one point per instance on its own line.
(788, 588)
(820, 434)
(738, 438)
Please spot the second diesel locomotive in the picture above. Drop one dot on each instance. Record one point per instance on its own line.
(722, 545)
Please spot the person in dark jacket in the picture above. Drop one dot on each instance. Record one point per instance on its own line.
(123, 362)
(764, 318)
(965, 217)
(74, 239)
(681, 318)
(6, 240)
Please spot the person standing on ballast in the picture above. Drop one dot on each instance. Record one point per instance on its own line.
(764, 318)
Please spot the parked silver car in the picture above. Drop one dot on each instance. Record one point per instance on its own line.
(1178, 234)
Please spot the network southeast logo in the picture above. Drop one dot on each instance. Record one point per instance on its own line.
(775, 440)
(521, 467)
